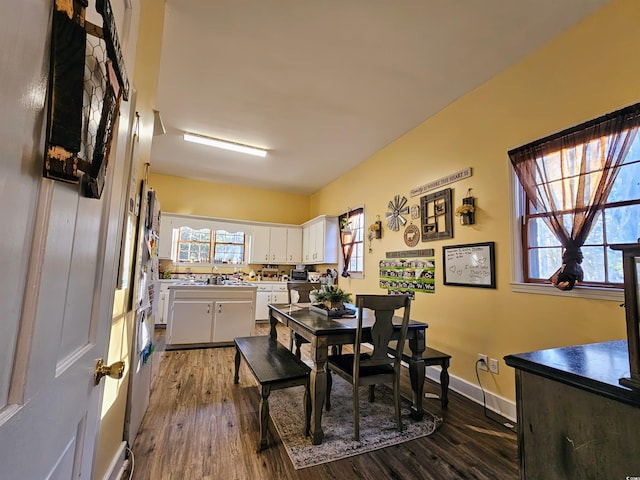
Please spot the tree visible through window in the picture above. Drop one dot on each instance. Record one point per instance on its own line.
(352, 242)
(229, 247)
(582, 194)
(194, 246)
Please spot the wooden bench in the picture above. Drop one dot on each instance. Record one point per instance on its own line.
(274, 367)
(431, 357)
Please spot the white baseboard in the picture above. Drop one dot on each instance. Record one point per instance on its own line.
(118, 464)
(495, 403)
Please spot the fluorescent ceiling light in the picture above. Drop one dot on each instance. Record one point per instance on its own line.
(215, 142)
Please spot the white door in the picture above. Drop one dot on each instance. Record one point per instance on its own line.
(59, 254)
(59, 248)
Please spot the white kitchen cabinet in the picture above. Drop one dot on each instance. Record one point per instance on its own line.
(269, 292)
(163, 300)
(192, 322)
(294, 245)
(229, 317)
(166, 240)
(278, 245)
(162, 314)
(320, 240)
(203, 315)
(269, 245)
(260, 244)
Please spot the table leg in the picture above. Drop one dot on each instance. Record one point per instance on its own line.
(318, 380)
(416, 373)
(444, 383)
(273, 321)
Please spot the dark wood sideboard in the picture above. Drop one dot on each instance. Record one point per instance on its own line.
(575, 419)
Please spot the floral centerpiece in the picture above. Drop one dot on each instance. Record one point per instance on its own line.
(331, 299)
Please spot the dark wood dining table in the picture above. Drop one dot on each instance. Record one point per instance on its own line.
(322, 332)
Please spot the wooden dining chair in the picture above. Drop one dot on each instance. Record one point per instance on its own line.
(375, 366)
(303, 290)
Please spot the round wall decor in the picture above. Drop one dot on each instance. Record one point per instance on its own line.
(411, 235)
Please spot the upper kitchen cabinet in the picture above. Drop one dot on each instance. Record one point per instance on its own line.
(320, 240)
(268, 244)
(280, 245)
(294, 245)
(166, 241)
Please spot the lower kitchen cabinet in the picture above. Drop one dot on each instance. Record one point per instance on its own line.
(229, 317)
(269, 292)
(209, 315)
(192, 321)
(162, 314)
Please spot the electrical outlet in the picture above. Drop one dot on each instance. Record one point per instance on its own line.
(493, 365)
(483, 363)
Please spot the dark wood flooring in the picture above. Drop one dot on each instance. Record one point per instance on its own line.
(200, 426)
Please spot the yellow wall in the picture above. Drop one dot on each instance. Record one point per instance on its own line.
(207, 199)
(193, 197)
(588, 71)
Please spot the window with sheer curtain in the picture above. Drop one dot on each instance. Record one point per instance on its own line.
(581, 193)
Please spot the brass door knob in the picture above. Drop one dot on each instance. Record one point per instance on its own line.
(115, 370)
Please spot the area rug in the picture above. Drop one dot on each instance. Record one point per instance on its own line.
(377, 424)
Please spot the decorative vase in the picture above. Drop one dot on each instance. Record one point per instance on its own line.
(334, 305)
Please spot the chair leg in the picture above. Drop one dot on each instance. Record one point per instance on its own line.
(356, 413)
(396, 401)
(327, 399)
(307, 409)
(236, 375)
(372, 393)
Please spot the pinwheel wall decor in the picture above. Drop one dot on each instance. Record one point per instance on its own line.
(397, 207)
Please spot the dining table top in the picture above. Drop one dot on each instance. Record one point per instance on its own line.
(320, 324)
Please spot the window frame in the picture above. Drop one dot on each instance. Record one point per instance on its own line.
(357, 243)
(518, 284)
(212, 246)
(192, 242)
(214, 235)
(521, 163)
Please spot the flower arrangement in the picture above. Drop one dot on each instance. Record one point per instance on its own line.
(330, 295)
(465, 209)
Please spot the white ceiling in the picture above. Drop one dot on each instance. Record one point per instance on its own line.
(325, 84)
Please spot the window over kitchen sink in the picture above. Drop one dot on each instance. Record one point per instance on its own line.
(198, 245)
